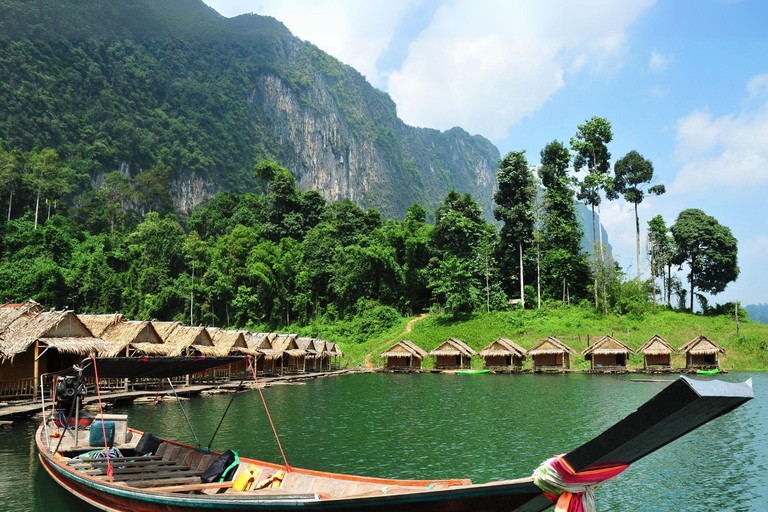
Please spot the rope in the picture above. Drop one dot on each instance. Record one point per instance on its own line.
(154, 403)
(279, 445)
(103, 426)
(571, 491)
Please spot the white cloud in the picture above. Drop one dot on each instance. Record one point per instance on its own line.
(658, 61)
(757, 86)
(355, 32)
(485, 65)
(730, 151)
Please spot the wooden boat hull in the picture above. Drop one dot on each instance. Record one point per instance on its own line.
(510, 495)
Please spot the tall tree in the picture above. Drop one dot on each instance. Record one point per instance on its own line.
(10, 177)
(565, 267)
(514, 200)
(708, 248)
(591, 147)
(660, 251)
(153, 189)
(631, 175)
(46, 176)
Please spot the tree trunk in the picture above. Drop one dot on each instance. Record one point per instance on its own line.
(737, 318)
(487, 285)
(37, 206)
(669, 284)
(563, 291)
(538, 277)
(49, 210)
(522, 284)
(691, 289)
(192, 297)
(594, 251)
(10, 203)
(637, 230)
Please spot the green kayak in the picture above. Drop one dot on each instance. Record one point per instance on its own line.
(708, 372)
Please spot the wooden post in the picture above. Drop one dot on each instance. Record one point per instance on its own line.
(36, 368)
(737, 322)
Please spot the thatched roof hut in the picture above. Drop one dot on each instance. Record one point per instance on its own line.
(503, 353)
(308, 346)
(190, 340)
(404, 354)
(453, 353)
(551, 354)
(260, 344)
(291, 356)
(657, 352)
(126, 337)
(27, 340)
(702, 353)
(608, 354)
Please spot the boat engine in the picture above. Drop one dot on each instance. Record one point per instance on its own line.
(68, 390)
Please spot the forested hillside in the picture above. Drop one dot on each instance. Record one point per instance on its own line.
(145, 84)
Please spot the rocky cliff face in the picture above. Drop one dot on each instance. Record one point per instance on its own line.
(130, 84)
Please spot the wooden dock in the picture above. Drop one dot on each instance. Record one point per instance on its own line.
(30, 408)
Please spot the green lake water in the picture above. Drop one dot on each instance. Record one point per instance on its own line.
(483, 427)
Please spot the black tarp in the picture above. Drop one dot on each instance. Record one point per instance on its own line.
(153, 367)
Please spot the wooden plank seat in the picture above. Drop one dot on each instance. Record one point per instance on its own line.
(99, 464)
(131, 471)
(72, 462)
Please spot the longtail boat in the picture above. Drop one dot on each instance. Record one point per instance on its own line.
(169, 478)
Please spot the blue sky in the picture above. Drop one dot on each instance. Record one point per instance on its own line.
(683, 82)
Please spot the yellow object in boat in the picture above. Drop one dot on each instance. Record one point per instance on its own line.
(272, 482)
(247, 479)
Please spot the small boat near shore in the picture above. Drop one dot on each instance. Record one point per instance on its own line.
(152, 474)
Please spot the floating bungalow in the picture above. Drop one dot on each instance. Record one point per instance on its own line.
(608, 355)
(657, 354)
(230, 342)
(308, 346)
(36, 342)
(404, 355)
(453, 353)
(551, 355)
(503, 355)
(290, 356)
(701, 353)
(262, 343)
(335, 354)
(323, 360)
(125, 337)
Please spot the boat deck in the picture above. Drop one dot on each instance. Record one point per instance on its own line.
(177, 468)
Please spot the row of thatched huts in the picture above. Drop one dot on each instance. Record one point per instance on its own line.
(33, 342)
(607, 354)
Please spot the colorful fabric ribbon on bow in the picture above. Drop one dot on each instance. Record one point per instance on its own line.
(571, 491)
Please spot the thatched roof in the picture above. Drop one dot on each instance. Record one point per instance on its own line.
(551, 345)
(227, 342)
(333, 349)
(98, 324)
(261, 343)
(656, 346)
(405, 348)
(503, 347)
(10, 312)
(320, 347)
(286, 343)
(165, 329)
(308, 345)
(138, 335)
(701, 345)
(607, 345)
(197, 339)
(453, 347)
(61, 330)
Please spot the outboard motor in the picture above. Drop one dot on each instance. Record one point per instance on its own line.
(68, 391)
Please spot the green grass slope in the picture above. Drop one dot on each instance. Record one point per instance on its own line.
(574, 326)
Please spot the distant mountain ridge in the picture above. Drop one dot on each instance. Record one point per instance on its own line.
(123, 85)
(758, 312)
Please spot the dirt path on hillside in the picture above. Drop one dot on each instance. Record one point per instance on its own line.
(384, 344)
